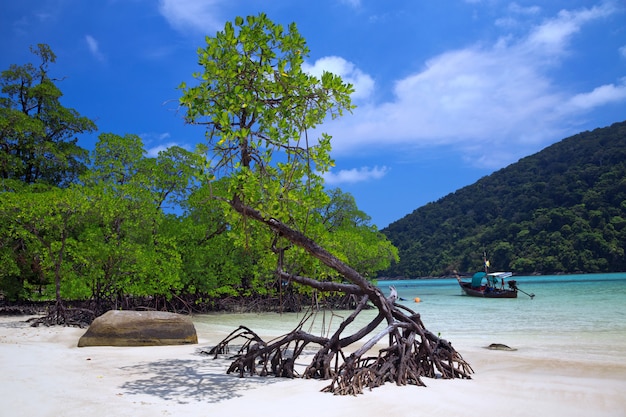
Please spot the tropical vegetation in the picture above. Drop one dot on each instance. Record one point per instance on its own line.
(116, 227)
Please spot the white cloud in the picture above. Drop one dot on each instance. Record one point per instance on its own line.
(363, 83)
(163, 136)
(604, 94)
(193, 15)
(553, 35)
(149, 137)
(354, 175)
(92, 44)
(622, 51)
(154, 143)
(154, 151)
(516, 11)
(483, 100)
(530, 10)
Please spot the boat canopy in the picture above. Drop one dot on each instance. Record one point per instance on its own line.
(492, 277)
(500, 274)
(477, 279)
(495, 277)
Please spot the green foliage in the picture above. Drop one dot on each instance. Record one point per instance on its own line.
(125, 251)
(560, 210)
(37, 142)
(351, 237)
(212, 263)
(259, 105)
(257, 101)
(110, 232)
(42, 226)
(12, 276)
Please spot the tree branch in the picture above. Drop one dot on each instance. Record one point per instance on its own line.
(322, 286)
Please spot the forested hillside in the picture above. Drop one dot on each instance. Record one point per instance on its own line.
(560, 210)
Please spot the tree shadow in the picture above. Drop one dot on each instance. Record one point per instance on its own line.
(183, 381)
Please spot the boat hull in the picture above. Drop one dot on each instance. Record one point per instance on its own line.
(487, 292)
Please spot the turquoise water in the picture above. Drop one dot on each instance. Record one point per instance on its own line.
(580, 317)
(577, 314)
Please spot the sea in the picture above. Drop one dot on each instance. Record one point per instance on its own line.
(580, 317)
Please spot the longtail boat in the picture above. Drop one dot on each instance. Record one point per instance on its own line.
(489, 285)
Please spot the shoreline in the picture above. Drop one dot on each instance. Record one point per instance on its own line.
(45, 373)
(517, 275)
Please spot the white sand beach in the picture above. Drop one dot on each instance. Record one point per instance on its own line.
(44, 373)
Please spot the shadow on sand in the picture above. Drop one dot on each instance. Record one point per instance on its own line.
(183, 381)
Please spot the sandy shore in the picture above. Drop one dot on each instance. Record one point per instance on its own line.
(45, 374)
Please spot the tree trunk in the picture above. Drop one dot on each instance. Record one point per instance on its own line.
(412, 352)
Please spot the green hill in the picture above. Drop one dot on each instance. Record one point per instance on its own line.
(560, 210)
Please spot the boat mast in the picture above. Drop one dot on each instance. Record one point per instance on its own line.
(486, 265)
(486, 262)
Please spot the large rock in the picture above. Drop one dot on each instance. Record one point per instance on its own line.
(139, 328)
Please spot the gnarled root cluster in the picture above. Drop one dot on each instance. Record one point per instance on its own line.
(257, 357)
(407, 359)
(59, 315)
(411, 353)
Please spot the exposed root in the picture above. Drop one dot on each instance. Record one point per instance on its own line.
(58, 315)
(412, 354)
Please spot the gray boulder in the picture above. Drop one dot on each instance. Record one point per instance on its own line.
(139, 328)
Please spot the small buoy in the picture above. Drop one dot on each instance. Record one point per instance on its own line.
(417, 299)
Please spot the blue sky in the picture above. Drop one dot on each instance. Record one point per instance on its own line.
(447, 91)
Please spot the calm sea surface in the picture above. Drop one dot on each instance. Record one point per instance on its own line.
(576, 314)
(580, 316)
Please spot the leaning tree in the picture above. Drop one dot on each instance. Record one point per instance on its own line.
(259, 108)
